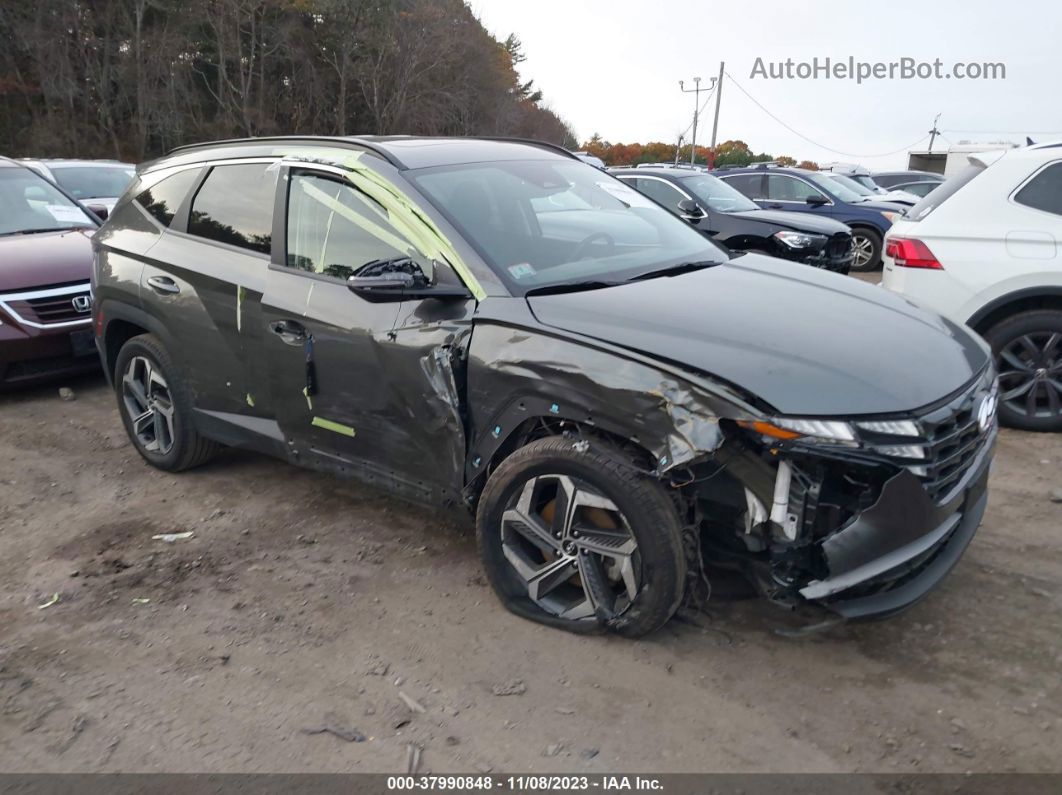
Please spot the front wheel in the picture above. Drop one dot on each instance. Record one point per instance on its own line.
(1028, 352)
(866, 250)
(573, 536)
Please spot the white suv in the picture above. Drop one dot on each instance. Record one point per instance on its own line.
(985, 249)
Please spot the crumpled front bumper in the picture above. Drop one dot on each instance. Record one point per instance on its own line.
(896, 551)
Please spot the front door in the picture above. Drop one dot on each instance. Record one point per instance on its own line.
(329, 351)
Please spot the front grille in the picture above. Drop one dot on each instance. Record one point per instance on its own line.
(50, 306)
(839, 245)
(950, 440)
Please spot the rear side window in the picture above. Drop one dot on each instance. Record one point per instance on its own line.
(1044, 191)
(662, 192)
(749, 184)
(235, 206)
(940, 195)
(164, 198)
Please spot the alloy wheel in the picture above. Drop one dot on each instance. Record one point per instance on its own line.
(572, 548)
(862, 251)
(1030, 374)
(148, 402)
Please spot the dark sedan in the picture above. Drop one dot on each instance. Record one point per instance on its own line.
(728, 217)
(45, 265)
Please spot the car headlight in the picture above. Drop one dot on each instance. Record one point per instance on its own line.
(890, 216)
(806, 430)
(798, 239)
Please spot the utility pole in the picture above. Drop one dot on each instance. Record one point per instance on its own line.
(696, 91)
(934, 132)
(715, 123)
(678, 148)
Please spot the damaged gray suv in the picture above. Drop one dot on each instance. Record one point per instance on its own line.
(630, 415)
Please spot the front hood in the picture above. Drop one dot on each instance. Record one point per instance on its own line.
(798, 222)
(44, 258)
(805, 341)
(901, 197)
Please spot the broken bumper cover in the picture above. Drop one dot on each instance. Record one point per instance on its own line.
(895, 552)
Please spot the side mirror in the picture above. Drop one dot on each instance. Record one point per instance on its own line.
(690, 210)
(816, 201)
(400, 285)
(98, 210)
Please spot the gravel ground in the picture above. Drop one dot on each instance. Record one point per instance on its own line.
(313, 625)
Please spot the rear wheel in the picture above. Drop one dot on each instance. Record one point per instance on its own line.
(572, 536)
(1028, 353)
(156, 407)
(866, 249)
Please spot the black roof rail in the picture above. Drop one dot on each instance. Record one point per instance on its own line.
(352, 141)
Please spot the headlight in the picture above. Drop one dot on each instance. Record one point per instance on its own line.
(798, 239)
(890, 216)
(809, 430)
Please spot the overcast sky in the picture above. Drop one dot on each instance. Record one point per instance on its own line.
(613, 66)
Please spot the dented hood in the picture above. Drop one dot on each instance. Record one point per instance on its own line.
(805, 341)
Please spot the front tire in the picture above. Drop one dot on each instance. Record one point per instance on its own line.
(866, 250)
(572, 536)
(1027, 348)
(156, 407)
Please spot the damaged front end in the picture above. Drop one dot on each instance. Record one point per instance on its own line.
(863, 519)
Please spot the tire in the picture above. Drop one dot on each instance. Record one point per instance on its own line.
(174, 445)
(1027, 349)
(860, 235)
(619, 510)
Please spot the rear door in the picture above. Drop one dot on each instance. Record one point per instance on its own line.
(203, 277)
(338, 392)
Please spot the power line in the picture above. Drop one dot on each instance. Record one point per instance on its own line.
(812, 141)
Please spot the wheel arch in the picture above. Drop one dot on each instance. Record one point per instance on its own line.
(121, 323)
(999, 309)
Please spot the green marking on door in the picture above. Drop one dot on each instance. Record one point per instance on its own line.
(335, 427)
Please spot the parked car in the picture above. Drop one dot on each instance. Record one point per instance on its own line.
(809, 191)
(45, 265)
(624, 411)
(983, 249)
(919, 183)
(731, 218)
(593, 160)
(95, 182)
(859, 179)
(894, 196)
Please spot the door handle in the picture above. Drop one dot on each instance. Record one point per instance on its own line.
(774, 206)
(163, 284)
(289, 331)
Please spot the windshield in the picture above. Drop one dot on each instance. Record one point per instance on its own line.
(29, 203)
(866, 181)
(847, 183)
(547, 223)
(831, 185)
(719, 196)
(93, 182)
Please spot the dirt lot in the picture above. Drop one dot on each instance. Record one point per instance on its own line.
(303, 602)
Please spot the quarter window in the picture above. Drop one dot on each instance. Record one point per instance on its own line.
(1044, 191)
(163, 199)
(336, 230)
(235, 206)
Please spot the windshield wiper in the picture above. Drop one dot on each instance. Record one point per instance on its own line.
(569, 287)
(36, 231)
(675, 270)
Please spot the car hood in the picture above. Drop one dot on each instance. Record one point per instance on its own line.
(44, 258)
(805, 341)
(798, 222)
